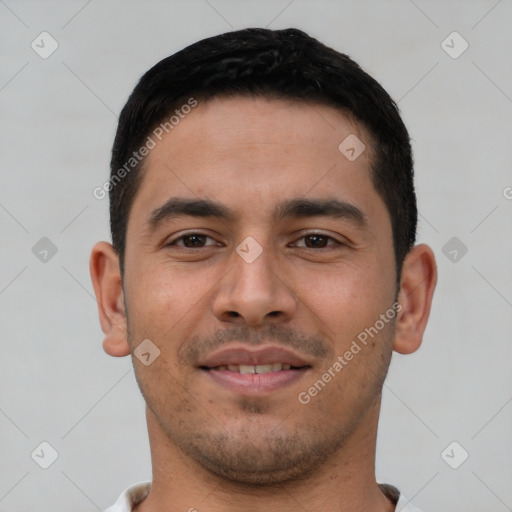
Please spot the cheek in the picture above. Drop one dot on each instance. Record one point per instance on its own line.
(169, 291)
(346, 300)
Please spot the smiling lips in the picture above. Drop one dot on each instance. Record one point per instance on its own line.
(252, 368)
(252, 372)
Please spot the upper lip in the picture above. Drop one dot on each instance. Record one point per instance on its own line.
(252, 356)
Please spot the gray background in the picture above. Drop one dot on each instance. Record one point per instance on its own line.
(58, 118)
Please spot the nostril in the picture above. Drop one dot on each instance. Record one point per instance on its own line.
(233, 314)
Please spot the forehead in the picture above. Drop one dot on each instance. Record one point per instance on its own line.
(253, 152)
(228, 124)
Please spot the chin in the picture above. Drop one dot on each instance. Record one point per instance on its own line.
(256, 474)
(272, 460)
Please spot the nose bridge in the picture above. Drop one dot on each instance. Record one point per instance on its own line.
(253, 288)
(257, 271)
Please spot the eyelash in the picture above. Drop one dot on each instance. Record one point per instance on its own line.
(173, 243)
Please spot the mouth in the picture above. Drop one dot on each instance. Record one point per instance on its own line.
(254, 369)
(254, 372)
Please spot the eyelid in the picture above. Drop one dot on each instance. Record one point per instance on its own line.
(172, 241)
(305, 233)
(298, 236)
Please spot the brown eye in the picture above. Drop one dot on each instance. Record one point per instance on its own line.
(193, 241)
(316, 241)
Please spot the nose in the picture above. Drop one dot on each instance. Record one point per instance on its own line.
(255, 292)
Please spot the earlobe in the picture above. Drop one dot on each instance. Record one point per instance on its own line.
(418, 282)
(106, 278)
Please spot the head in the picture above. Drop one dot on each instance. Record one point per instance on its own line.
(244, 229)
(281, 64)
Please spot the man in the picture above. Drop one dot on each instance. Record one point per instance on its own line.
(262, 271)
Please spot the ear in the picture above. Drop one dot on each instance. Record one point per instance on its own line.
(417, 284)
(106, 279)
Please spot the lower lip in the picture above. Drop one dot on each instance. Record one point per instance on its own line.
(255, 383)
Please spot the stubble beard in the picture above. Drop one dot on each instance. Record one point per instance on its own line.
(251, 455)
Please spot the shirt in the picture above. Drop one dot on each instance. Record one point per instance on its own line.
(136, 494)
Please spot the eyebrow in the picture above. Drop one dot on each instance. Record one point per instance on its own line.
(301, 208)
(178, 207)
(294, 208)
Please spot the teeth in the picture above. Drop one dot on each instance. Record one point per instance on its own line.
(259, 368)
(263, 368)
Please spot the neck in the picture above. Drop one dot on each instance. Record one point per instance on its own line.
(344, 482)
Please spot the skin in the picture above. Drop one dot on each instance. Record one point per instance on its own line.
(214, 449)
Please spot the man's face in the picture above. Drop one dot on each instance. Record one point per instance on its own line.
(293, 261)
